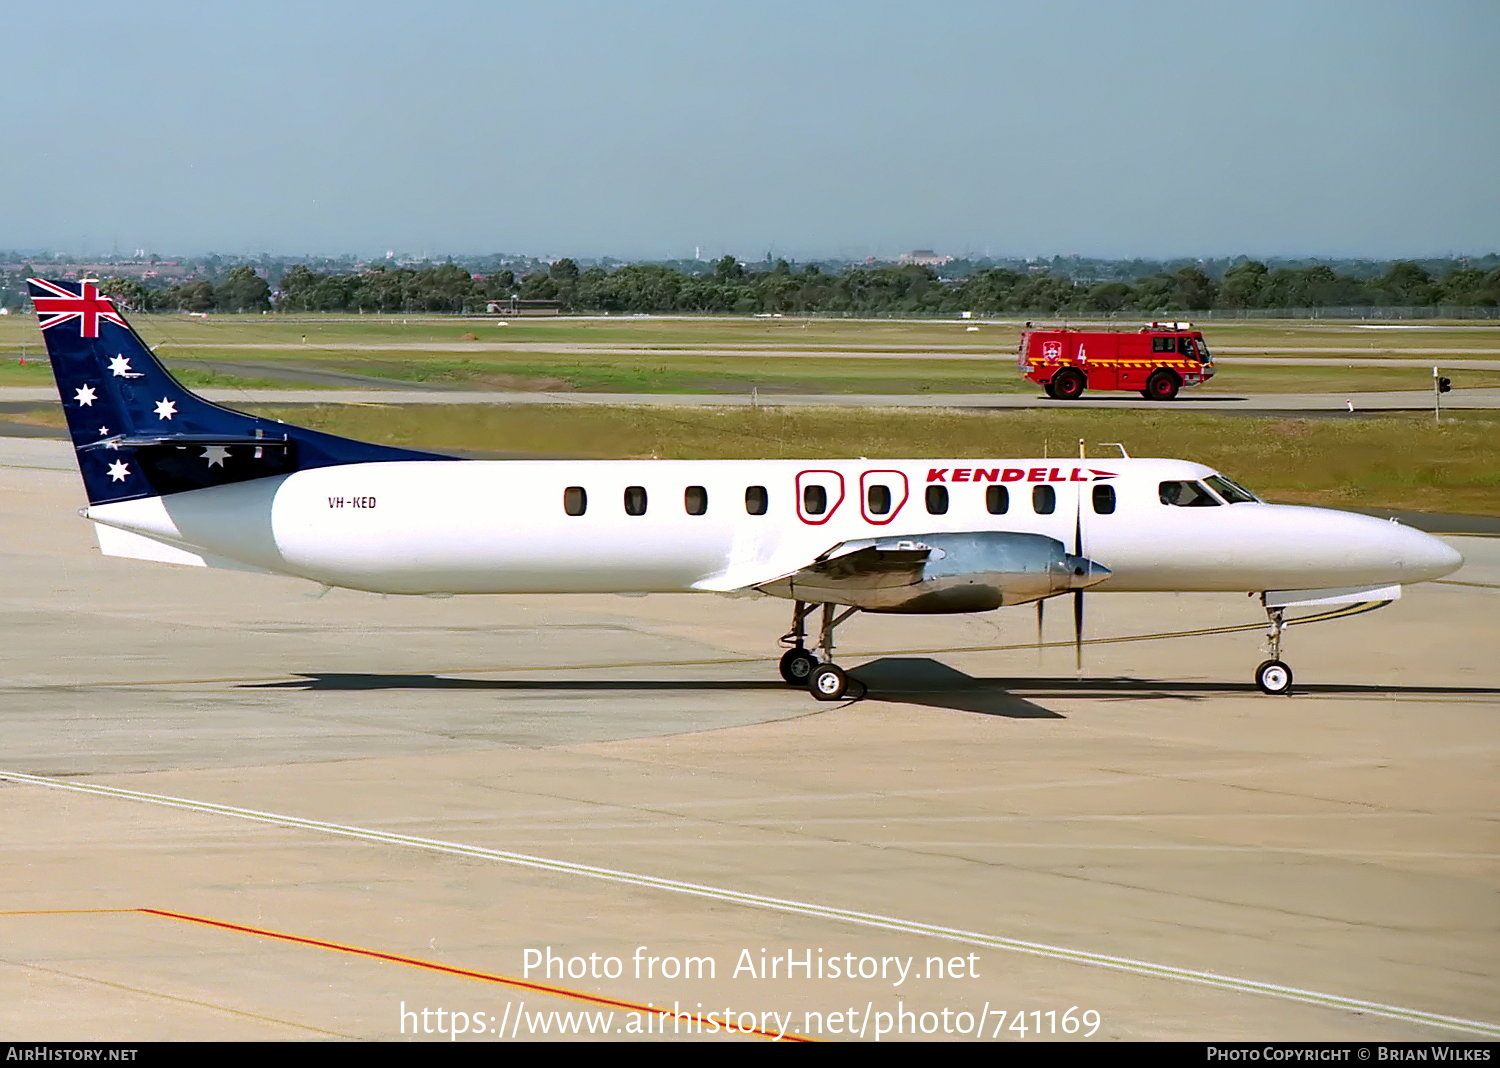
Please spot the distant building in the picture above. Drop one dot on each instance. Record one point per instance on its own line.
(514, 306)
(112, 269)
(925, 257)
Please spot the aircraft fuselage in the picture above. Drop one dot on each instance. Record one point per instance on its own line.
(433, 526)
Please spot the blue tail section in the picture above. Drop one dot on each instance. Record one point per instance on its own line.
(139, 433)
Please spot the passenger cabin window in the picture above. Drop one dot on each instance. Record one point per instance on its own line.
(756, 500)
(1186, 495)
(635, 500)
(695, 500)
(1043, 500)
(997, 500)
(1104, 500)
(575, 500)
(878, 499)
(814, 499)
(1161, 344)
(937, 500)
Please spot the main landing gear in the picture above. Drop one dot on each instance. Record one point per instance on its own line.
(826, 680)
(1273, 676)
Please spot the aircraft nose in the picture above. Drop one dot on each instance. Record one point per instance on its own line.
(1362, 549)
(1424, 557)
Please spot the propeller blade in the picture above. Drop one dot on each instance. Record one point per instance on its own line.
(1040, 608)
(1078, 593)
(1078, 628)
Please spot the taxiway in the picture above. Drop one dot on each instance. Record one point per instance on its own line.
(237, 810)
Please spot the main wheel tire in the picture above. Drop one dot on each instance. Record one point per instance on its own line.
(829, 683)
(1274, 677)
(797, 666)
(1050, 391)
(1162, 385)
(1068, 385)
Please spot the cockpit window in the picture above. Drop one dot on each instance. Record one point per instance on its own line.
(1230, 490)
(1187, 495)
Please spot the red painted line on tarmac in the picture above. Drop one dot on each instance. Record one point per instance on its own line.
(465, 973)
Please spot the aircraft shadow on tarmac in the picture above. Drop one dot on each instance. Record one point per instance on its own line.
(893, 680)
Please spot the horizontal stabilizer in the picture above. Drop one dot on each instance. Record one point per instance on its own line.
(146, 441)
(127, 544)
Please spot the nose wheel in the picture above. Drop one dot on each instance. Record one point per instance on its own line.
(1273, 676)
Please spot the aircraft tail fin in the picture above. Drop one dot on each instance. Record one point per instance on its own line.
(138, 432)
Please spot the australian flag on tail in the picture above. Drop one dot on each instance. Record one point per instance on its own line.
(139, 433)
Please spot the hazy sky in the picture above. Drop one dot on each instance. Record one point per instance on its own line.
(649, 128)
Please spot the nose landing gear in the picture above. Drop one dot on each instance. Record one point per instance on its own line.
(1273, 676)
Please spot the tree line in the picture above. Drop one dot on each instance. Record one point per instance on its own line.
(732, 287)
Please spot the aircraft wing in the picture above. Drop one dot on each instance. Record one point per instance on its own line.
(949, 572)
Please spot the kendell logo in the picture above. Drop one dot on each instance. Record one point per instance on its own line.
(1017, 474)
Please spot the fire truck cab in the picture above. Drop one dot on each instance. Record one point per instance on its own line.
(1157, 361)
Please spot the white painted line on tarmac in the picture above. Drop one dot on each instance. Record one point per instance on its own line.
(801, 908)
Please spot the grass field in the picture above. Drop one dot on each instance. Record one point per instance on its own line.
(741, 375)
(1395, 461)
(1400, 462)
(851, 335)
(38, 373)
(717, 355)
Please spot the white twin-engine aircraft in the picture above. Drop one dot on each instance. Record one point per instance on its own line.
(174, 478)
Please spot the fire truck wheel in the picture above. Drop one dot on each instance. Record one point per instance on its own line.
(1163, 385)
(1067, 385)
(1050, 391)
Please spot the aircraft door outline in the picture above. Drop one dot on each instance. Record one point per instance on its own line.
(815, 488)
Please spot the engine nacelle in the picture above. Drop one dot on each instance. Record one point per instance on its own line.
(941, 573)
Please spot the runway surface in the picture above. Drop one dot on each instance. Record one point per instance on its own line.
(236, 811)
(1243, 403)
(1283, 355)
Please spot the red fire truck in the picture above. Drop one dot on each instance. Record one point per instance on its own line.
(1157, 360)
